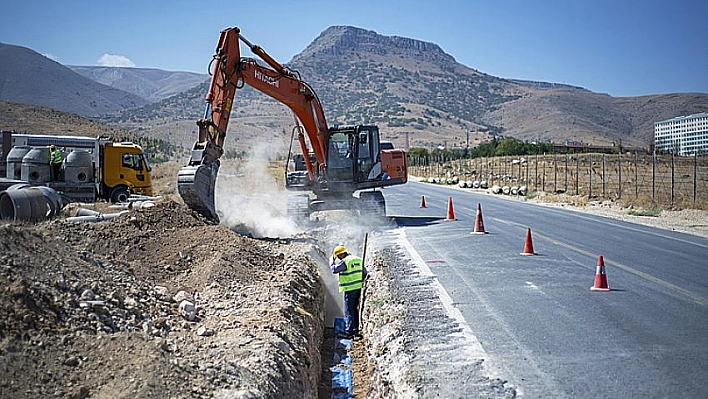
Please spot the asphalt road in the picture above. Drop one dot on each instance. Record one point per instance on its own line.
(536, 317)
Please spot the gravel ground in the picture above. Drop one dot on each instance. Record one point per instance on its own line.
(416, 345)
(156, 303)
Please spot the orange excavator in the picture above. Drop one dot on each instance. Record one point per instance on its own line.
(343, 165)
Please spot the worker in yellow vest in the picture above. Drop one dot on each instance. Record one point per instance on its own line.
(352, 272)
(55, 160)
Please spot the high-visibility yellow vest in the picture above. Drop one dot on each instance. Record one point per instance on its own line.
(55, 157)
(351, 279)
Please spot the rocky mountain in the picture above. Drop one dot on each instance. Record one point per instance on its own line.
(363, 75)
(150, 84)
(30, 78)
(419, 96)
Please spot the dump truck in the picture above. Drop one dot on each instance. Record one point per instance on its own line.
(93, 167)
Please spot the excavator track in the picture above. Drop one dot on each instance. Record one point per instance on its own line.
(196, 185)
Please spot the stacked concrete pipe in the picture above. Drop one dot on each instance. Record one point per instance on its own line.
(30, 203)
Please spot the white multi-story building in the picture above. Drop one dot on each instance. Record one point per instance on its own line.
(683, 135)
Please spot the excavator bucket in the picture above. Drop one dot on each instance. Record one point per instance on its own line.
(196, 185)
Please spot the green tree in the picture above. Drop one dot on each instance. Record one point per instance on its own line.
(418, 152)
(509, 146)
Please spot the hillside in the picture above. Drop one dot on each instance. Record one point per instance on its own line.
(30, 78)
(23, 118)
(417, 94)
(150, 84)
(414, 89)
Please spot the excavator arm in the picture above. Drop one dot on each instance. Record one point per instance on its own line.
(196, 181)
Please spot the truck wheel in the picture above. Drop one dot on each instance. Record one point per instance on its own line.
(120, 194)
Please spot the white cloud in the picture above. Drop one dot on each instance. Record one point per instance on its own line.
(112, 60)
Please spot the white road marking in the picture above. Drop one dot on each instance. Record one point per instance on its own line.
(473, 346)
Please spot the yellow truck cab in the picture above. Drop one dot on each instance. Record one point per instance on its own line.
(125, 170)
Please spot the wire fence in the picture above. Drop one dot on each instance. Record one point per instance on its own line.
(665, 180)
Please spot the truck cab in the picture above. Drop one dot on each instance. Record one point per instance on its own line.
(125, 170)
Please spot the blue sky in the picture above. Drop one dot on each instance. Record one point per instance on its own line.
(623, 48)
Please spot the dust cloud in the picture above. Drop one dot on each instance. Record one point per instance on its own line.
(249, 200)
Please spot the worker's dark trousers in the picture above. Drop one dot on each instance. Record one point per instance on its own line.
(351, 311)
(56, 170)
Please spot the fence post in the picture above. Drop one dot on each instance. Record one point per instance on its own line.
(503, 169)
(543, 178)
(555, 174)
(577, 174)
(535, 179)
(695, 170)
(619, 168)
(604, 193)
(565, 184)
(653, 177)
(590, 186)
(636, 177)
(672, 179)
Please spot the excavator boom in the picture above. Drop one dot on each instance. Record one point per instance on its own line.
(196, 181)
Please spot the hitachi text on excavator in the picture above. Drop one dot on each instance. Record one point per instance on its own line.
(342, 167)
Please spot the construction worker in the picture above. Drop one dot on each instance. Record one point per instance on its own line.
(55, 160)
(351, 272)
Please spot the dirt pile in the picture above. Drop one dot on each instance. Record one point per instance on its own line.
(103, 310)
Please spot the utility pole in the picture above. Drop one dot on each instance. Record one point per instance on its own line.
(468, 140)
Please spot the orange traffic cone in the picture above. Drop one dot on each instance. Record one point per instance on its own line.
(478, 222)
(450, 210)
(600, 276)
(528, 245)
(422, 201)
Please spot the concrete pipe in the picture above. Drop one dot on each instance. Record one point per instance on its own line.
(469, 184)
(514, 190)
(24, 204)
(523, 190)
(95, 218)
(18, 186)
(54, 200)
(462, 184)
(496, 189)
(86, 212)
(483, 184)
(506, 190)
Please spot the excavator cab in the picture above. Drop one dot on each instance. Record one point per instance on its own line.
(352, 156)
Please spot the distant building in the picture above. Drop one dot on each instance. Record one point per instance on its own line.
(683, 135)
